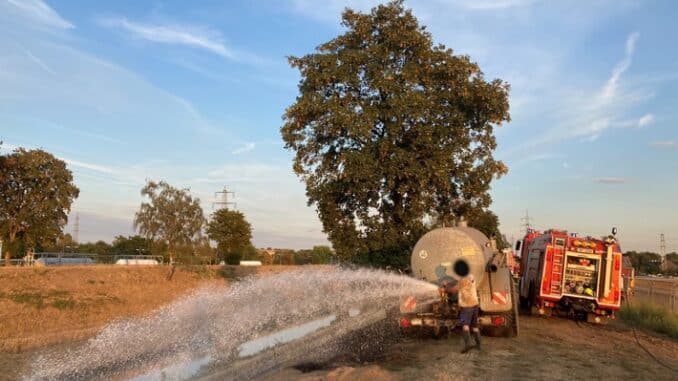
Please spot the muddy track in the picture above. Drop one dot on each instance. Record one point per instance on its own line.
(317, 347)
(547, 349)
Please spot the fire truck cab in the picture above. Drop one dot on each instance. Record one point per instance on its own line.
(562, 273)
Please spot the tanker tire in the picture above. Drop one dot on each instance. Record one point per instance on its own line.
(439, 332)
(515, 324)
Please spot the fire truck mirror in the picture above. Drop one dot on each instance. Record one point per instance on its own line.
(461, 268)
(518, 244)
(614, 231)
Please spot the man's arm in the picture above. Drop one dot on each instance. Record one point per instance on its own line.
(450, 289)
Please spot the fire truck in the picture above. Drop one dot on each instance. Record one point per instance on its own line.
(564, 274)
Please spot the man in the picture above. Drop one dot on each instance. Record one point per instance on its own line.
(468, 316)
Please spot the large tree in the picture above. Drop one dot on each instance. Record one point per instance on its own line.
(389, 128)
(487, 222)
(232, 233)
(36, 193)
(171, 216)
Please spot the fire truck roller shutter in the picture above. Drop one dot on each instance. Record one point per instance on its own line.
(450, 253)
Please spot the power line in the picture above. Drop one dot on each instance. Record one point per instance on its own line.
(526, 222)
(221, 199)
(76, 228)
(662, 250)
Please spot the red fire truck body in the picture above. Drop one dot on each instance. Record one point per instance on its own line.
(578, 276)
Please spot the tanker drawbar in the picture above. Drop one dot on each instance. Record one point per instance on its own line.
(446, 255)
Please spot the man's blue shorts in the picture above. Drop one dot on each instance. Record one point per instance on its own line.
(469, 316)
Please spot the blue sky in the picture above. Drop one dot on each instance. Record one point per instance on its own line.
(193, 93)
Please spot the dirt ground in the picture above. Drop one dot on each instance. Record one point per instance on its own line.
(547, 349)
(40, 308)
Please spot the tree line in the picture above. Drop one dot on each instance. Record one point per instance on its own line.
(139, 245)
(37, 193)
(645, 262)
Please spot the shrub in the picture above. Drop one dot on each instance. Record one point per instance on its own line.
(652, 317)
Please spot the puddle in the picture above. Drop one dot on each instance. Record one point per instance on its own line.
(181, 371)
(285, 336)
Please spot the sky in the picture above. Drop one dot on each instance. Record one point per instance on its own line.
(194, 92)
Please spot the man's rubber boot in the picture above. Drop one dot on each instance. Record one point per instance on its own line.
(467, 342)
(476, 335)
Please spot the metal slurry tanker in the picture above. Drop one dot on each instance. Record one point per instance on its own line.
(447, 255)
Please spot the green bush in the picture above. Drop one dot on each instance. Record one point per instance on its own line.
(652, 317)
(233, 258)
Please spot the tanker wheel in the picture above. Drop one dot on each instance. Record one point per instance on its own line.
(511, 317)
(439, 332)
(515, 326)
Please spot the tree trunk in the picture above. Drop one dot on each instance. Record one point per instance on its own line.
(170, 252)
(8, 255)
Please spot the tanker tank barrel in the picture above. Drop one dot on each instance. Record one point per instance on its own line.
(453, 253)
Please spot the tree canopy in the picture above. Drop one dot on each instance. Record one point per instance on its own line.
(487, 222)
(171, 216)
(132, 245)
(388, 129)
(36, 193)
(646, 262)
(317, 255)
(232, 233)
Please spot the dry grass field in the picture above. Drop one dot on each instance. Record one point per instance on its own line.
(43, 306)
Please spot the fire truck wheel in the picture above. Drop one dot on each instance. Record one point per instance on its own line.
(530, 297)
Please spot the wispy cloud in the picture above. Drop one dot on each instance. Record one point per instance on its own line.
(90, 166)
(245, 148)
(41, 13)
(666, 144)
(612, 83)
(491, 5)
(611, 180)
(194, 37)
(535, 158)
(38, 62)
(601, 109)
(645, 120)
(191, 36)
(74, 163)
(588, 114)
(251, 171)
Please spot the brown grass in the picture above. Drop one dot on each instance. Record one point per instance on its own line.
(43, 306)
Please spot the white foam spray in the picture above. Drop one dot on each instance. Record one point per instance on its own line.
(216, 322)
